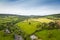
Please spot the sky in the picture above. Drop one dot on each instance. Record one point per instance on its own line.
(30, 7)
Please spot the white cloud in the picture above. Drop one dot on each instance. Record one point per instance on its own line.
(27, 9)
(32, 11)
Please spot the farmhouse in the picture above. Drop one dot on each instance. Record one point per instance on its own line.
(33, 37)
(6, 31)
(18, 37)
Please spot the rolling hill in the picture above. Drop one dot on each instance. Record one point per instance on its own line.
(29, 25)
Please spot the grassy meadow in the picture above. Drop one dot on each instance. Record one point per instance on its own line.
(44, 28)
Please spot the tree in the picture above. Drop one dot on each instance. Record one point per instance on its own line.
(44, 26)
(57, 24)
(51, 25)
(39, 26)
(29, 23)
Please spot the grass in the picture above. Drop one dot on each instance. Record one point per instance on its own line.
(44, 35)
(42, 20)
(28, 28)
(5, 36)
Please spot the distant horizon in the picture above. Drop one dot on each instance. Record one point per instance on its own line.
(25, 15)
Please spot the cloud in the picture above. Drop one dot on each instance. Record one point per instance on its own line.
(32, 11)
(30, 7)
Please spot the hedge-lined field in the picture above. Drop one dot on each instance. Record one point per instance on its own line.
(30, 27)
(43, 28)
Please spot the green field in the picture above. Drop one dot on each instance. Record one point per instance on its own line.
(44, 34)
(4, 36)
(44, 28)
(28, 28)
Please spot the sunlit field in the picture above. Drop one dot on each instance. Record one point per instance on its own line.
(29, 28)
(42, 20)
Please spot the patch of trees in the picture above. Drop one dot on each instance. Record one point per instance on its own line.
(49, 26)
(8, 24)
